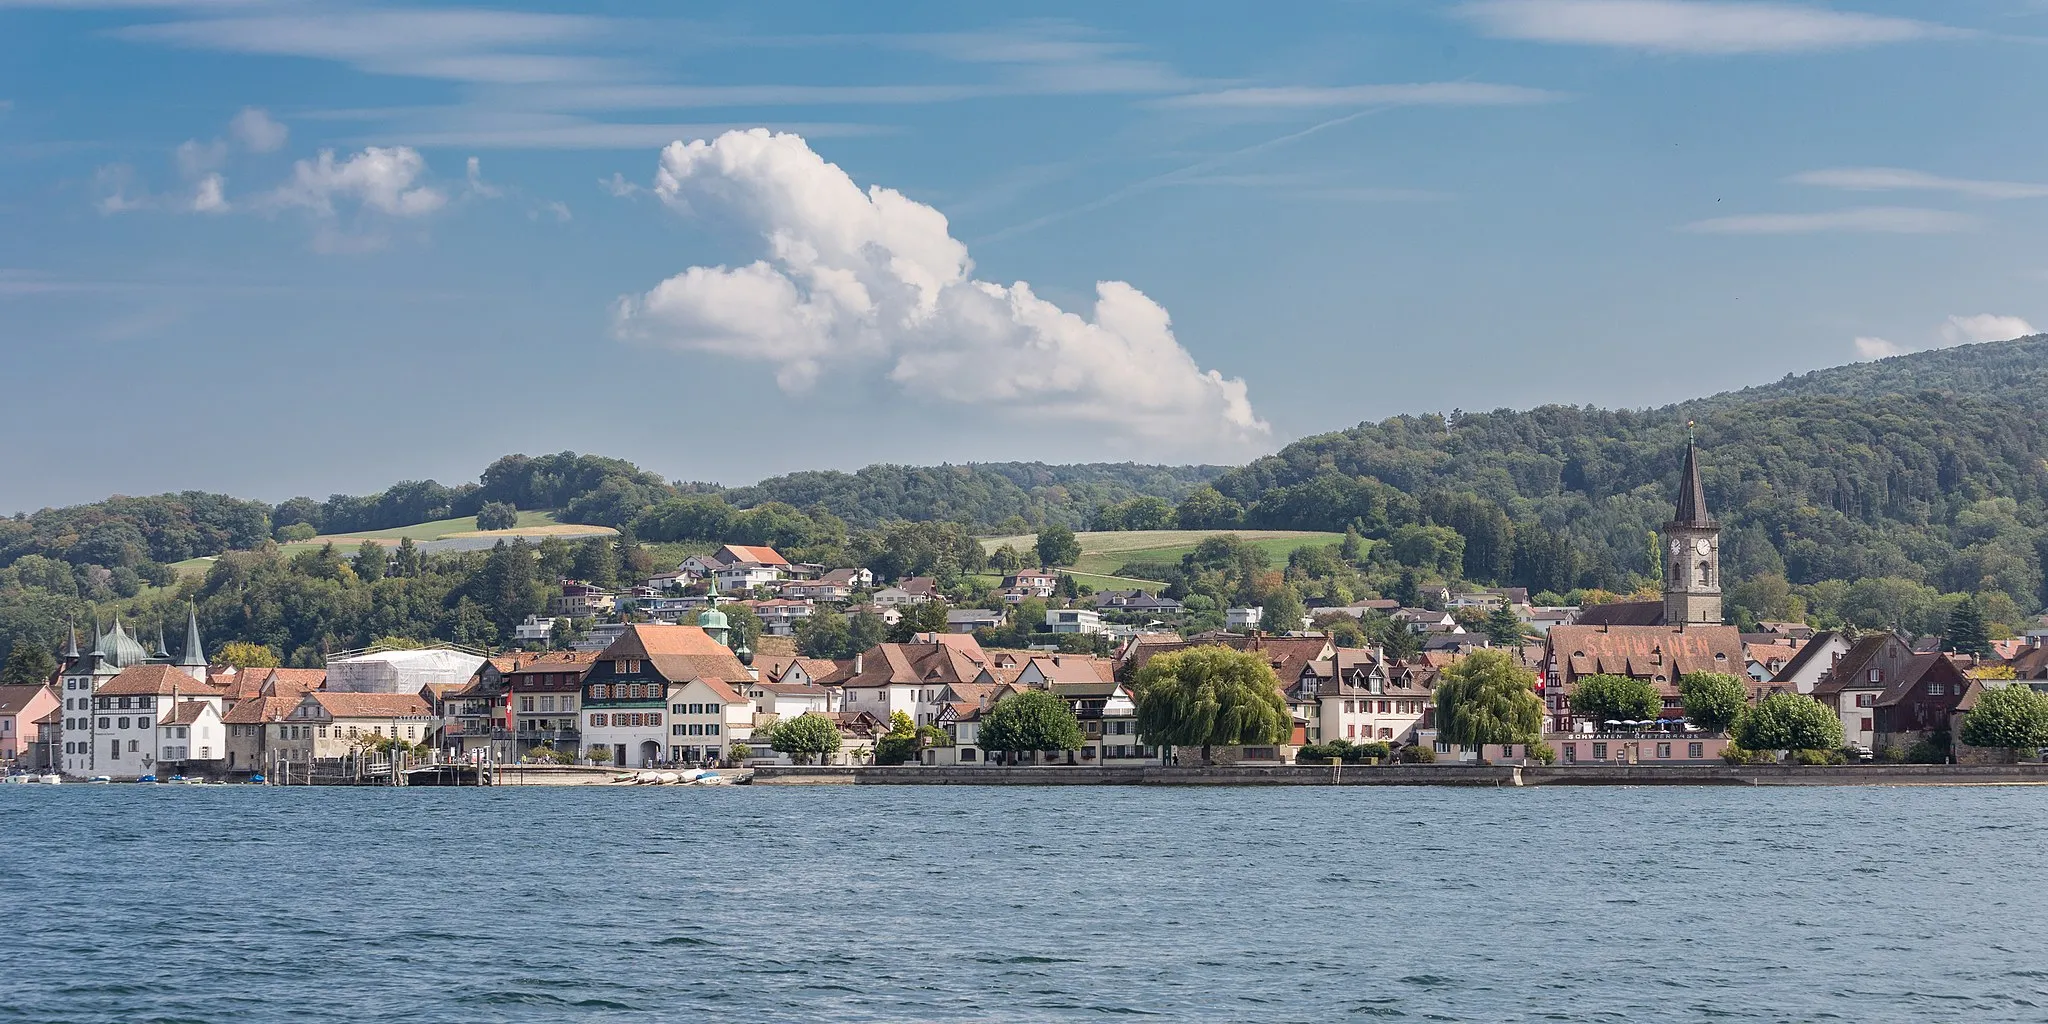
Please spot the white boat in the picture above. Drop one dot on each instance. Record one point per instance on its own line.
(52, 779)
(102, 780)
(19, 780)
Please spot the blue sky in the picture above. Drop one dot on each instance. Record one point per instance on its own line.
(279, 248)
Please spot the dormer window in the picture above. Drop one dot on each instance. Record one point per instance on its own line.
(1877, 675)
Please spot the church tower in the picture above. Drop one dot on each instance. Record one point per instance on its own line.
(1692, 546)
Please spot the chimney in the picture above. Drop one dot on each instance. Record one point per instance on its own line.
(857, 659)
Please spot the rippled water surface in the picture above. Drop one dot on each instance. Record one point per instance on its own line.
(131, 903)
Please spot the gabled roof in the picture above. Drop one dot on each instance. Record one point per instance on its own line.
(370, 705)
(680, 654)
(1286, 655)
(1074, 668)
(187, 712)
(1813, 648)
(1920, 668)
(938, 658)
(1659, 654)
(1621, 613)
(257, 710)
(1851, 671)
(155, 680)
(736, 554)
(15, 699)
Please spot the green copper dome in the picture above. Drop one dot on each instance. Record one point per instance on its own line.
(711, 619)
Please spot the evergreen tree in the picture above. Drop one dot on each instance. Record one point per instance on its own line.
(1966, 633)
(1503, 629)
(594, 563)
(29, 663)
(408, 561)
(370, 562)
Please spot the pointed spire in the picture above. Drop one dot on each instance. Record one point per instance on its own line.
(71, 647)
(1692, 494)
(163, 651)
(195, 655)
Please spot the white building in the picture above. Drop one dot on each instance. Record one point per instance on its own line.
(1242, 618)
(399, 671)
(535, 630)
(125, 713)
(1074, 620)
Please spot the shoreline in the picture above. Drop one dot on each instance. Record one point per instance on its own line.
(1498, 776)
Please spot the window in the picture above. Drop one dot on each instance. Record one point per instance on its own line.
(1866, 700)
(1351, 732)
(1695, 750)
(597, 721)
(106, 723)
(1936, 689)
(678, 730)
(696, 729)
(1877, 675)
(1386, 707)
(678, 709)
(124, 702)
(526, 704)
(1663, 751)
(654, 718)
(598, 691)
(124, 721)
(1865, 725)
(966, 753)
(1599, 751)
(711, 730)
(133, 746)
(547, 703)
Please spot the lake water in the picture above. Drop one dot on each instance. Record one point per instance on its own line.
(175, 904)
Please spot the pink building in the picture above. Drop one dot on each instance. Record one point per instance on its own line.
(21, 708)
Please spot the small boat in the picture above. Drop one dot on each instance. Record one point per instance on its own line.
(18, 780)
(52, 779)
(148, 778)
(258, 780)
(189, 782)
(102, 780)
(152, 778)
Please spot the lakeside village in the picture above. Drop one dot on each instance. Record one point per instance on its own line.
(669, 682)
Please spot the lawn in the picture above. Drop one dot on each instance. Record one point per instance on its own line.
(531, 525)
(1104, 553)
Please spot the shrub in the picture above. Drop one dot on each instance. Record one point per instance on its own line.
(497, 515)
(1416, 753)
(1932, 750)
(1814, 757)
(1739, 755)
(1542, 754)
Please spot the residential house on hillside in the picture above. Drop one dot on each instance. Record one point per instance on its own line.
(1032, 583)
(817, 590)
(780, 616)
(960, 707)
(915, 590)
(1243, 619)
(581, 601)
(1135, 602)
(855, 578)
(1073, 620)
(629, 689)
(1763, 659)
(1423, 622)
(967, 620)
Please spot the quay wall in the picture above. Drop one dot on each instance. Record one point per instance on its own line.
(1415, 775)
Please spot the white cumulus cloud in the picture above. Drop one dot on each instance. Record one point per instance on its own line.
(211, 196)
(1959, 330)
(1967, 330)
(257, 131)
(871, 279)
(384, 179)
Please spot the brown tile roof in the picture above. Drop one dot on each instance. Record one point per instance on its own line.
(682, 653)
(187, 712)
(371, 705)
(1622, 613)
(858, 724)
(2031, 663)
(154, 680)
(761, 554)
(257, 710)
(15, 699)
(1659, 654)
(1883, 651)
(793, 689)
(1287, 655)
(1075, 668)
(941, 658)
(1808, 651)
(1935, 664)
(286, 682)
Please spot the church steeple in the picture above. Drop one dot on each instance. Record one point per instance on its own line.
(1692, 539)
(194, 657)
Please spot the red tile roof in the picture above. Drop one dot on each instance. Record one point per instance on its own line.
(155, 680)
(371, 705)
(257, 710)
(1659, 654)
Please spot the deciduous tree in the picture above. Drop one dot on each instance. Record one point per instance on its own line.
(1788, 721)
(805, 738)
(1713, 700)
(2010, 717)
(1599, 698)
(1488, 698)
(1209, 697)
(1058, 546)
(1034, 720)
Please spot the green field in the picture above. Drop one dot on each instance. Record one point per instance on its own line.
(1104, 553)
(531, 525)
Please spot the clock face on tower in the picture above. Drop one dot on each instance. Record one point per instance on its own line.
(1703, 546)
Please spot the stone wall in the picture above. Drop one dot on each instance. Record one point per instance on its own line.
(1417, 775)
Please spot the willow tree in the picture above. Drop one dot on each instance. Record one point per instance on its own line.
(1488, 698)
(1210, 697)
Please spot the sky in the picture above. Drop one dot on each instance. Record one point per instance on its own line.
(280, 248)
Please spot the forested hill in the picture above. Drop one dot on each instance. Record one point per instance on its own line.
(1925, 467)
(2010, 371)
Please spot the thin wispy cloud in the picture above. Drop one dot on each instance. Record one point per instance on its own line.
(467, 45)
(1894, 220)
(1414, 94)
(1893, 179)
(1694, 26)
